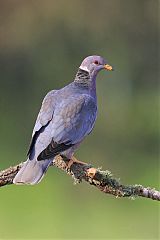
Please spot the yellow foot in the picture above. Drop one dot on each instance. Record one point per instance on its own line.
(72, 161)
(77, 161)
(69, 164)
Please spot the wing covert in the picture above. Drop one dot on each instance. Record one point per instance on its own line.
(44, 117)
(74, 119)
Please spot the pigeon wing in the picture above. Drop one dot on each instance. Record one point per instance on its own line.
(44, 117)
(73, 119)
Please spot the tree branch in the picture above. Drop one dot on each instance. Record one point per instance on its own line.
(103, 180)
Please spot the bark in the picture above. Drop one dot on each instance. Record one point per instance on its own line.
(103, 180)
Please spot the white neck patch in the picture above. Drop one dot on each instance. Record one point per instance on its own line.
(84, 68)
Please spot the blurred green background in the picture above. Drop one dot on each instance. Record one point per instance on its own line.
(42, 43)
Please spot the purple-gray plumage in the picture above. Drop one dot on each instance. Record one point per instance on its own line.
(66, 117)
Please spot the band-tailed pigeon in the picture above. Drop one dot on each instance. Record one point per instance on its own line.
(66, 117)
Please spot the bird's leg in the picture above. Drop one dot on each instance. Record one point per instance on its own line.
(84, 170)
(70, 161)
(91, 172)
(75, 160)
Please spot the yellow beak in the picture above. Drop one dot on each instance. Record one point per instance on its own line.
(108, 67)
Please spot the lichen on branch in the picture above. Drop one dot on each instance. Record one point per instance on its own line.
(103, 180)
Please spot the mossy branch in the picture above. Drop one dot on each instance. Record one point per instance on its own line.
(103, 180)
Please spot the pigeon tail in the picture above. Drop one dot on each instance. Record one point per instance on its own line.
(32, 172)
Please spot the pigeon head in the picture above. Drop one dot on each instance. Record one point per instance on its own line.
(87, 72)
(93, 64)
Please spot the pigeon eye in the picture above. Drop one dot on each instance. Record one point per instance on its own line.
(96, 62)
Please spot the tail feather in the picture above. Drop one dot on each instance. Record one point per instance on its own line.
(32, 172)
